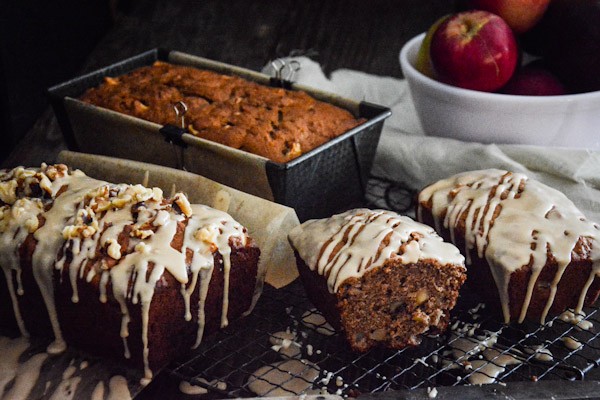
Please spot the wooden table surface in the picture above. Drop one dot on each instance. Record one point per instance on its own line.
(363, 35)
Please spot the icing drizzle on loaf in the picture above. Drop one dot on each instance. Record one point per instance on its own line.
(513, 221)
(349, 244)
(79, 224)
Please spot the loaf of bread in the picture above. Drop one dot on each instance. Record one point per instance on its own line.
(528, 248)
(118, 270)
(275, 123)
(382, 278)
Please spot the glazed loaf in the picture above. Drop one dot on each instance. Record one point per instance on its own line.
(118, 270)
(275, 123)
(382, 278)
(528, 248)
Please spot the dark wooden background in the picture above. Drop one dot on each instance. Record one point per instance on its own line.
(63, 39)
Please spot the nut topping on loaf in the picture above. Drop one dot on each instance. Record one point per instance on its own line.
(381, 277)
(124, 237)
(520, 227)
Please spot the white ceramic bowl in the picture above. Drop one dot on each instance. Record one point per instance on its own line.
(448, 111)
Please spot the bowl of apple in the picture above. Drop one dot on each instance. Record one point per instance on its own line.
(472, 77)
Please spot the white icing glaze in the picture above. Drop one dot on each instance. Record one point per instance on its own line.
(118, 389)
(500, 358)
(540, 353)
(98, 392)
(532, 217)
(486, 372)
(26, 377)
(85, 217)
(13, 233)
(192, 390)
(22, 371)
(465, 347)
(571, 343)
(349, 244)
(285, 344)
(284, 378)
(10, 368)
(315, 320)
(66, 388)
(576, 319)
(49, 240)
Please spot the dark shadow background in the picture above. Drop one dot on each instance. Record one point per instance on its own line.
(42, 43)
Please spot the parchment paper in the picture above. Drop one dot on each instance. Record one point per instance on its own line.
(267, 222)
(72, 373)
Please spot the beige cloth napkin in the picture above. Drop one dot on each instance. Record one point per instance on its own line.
(406, 155)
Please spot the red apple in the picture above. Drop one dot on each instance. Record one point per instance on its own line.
(533, 80)
(520, 15)
(474, 50)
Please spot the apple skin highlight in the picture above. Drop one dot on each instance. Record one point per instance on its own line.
(474, 50)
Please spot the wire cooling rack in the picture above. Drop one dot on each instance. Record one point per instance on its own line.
(477, 348)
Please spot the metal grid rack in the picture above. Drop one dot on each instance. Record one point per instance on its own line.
(234, 354)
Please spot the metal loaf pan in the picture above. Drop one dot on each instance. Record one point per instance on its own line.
(319, 183)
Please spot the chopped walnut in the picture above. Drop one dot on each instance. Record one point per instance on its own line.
(8, 191)
(85, 216)
(113, 249)
(55, 171)
(143, 248)
(157, 194)
(184, 205)
(141, 233)
(121, 201)
(162, 217)
(88, 231)
(45, 184)
(70, 231)
(141, 193)
(84, 231)
(207, 234)
(101, 192)
(23, 173)
(32, 224)
(119, 196)
(17, 211)
(111, 81)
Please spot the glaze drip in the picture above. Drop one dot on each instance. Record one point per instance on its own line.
(123, 233)
(349, 244)
(513, 221)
